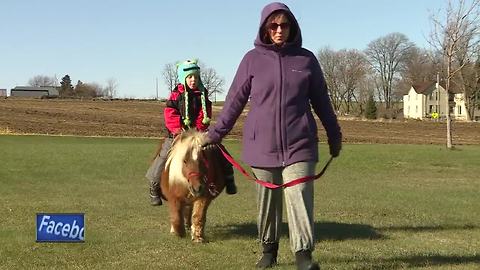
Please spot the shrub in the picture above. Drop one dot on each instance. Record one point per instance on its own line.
(371, 110)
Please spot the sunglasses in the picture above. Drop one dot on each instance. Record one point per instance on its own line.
(274, 26)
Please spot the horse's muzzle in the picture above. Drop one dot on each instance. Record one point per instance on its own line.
(196, 191)
(196, 186)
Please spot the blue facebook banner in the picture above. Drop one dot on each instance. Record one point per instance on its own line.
(60, 227)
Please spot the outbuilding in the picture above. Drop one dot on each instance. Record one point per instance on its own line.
(30, 91)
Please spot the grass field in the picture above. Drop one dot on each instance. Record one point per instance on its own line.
(377, 207)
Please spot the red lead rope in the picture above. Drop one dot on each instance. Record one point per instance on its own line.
(272, 185)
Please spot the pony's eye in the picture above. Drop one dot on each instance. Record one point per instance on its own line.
(184, 161)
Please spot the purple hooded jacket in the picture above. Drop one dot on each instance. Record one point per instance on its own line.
(282, 84)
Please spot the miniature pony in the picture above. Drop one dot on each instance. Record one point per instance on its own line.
(192, 178)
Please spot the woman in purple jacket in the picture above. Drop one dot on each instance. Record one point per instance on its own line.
(283, 82)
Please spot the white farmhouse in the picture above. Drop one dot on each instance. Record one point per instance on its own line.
(426, 98)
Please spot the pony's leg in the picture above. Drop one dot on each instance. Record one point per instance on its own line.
(199, 217)
(176, 217)
(187, 216)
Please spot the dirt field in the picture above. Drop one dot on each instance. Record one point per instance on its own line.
(145, 118)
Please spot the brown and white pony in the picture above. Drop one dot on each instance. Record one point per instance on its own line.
(192, 178)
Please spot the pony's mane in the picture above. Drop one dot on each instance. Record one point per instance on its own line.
(190, 140)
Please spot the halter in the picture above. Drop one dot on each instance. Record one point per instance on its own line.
(212, 188)
(193, 174)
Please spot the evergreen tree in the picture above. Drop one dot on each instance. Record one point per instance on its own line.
(371, 110)
(66, 89)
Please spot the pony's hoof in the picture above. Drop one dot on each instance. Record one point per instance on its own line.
(199, 240)
(177, 232)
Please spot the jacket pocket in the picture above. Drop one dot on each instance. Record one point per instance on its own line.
(302, 133)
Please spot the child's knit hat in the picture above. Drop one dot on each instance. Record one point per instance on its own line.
(189, 67)
(184, 69)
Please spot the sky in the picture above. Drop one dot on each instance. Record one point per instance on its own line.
(132, 40)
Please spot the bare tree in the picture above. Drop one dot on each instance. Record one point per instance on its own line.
(468, 81)
(386, 55)
(420, 65)
(352, 70)
(110, 89)
(88, 89)
(329, 62)
(212, 81)
(169, 74)
(366, 89)
(343, 70)
(457, 39)
(42, 80)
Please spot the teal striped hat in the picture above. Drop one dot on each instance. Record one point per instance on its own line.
(185, 69)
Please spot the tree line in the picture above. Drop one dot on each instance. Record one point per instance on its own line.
(381, 73)
(391, 64)
(81, 89)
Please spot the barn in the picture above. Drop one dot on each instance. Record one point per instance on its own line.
(30, 91)
(3, 92)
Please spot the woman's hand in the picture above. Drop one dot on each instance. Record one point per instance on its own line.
(207, 143)
(335, 147)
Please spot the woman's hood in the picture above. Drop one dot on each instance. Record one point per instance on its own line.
(296, 36)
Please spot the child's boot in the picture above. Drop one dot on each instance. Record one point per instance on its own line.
(230, 186)
(155, 194)
(153, 175)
